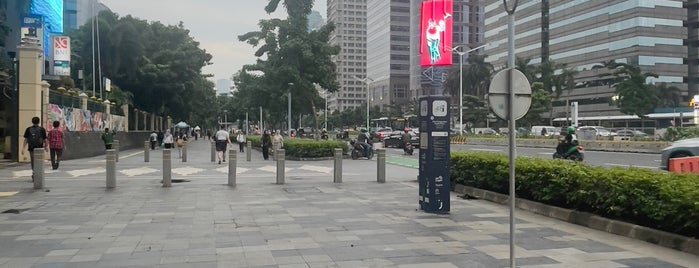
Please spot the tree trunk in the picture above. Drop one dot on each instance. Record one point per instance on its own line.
(315, 120)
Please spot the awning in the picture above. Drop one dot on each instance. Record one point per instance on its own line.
(181, 125)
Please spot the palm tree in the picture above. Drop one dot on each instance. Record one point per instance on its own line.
(668, 96)
(636, 97)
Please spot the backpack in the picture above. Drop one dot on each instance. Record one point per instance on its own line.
(35, 139)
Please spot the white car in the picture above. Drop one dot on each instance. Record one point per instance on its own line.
(600, 131)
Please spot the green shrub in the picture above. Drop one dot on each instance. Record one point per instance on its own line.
(305, 148)
(656, 199)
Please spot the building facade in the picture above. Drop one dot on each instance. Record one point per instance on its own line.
(350, 19)
(584, 33)
(388, 52)
(315, 21)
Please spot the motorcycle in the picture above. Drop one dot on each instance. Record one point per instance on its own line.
(408, 148)
(358, 150)
(573, 152)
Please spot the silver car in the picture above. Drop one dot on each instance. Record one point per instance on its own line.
(680, 148)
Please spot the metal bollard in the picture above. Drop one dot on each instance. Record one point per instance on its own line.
(111, 168)
(146, 152)
(280, 166)
(232, 162)
(249, 153)
(38, 170)
(167, 168)
(381, 165)
(184, 152)
(338, 166)
(116, 150)
(213, 151)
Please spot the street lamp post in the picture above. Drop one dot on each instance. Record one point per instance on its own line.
(288, 113)
(461, 83)
(367, 80)
(326, 110)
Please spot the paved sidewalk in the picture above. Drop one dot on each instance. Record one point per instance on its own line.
(307, 222)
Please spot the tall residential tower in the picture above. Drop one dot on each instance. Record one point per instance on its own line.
(349, 17)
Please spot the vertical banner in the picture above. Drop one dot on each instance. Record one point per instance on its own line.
(61, 55)
(434, 173)
(436, 32)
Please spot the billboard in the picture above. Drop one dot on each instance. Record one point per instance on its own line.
(61, 55)
(436, 32)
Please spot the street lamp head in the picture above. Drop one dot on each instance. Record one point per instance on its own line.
(291, 84)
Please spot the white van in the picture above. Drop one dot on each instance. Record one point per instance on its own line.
(550, 131)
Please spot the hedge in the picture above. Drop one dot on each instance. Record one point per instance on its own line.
(305, 148)
(655, 199)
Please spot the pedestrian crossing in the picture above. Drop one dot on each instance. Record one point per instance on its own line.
(265, 170)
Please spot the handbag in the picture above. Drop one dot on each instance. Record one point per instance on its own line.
(180, 142)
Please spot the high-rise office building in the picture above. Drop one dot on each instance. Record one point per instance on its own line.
(349, 17)
(86, 9)
(585, 33)
(388, 52)
(223, 87)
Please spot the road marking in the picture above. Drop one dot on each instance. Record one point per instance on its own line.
(137, 171)
(130, 155)
(316, 168)
(87, 171)
(186, 171)
(620, 165)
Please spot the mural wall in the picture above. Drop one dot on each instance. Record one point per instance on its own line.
(74, 119)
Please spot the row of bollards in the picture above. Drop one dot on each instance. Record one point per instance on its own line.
(112, 157)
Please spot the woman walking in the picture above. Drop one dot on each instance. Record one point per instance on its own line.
(241, 140)
(266, 143)
(168, 140)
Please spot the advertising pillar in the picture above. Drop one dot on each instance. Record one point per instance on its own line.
(434, 184)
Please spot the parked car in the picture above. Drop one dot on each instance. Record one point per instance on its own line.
(680, 148)
(600, 131)
(395, 139)
(631, 133)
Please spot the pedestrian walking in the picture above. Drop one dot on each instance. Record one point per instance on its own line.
(55, 138)
(241, 140)
(161, 136)
(266, 143)
(107, 138)
(153, 140)
(34, 137)
(181, 139)
(168, 139)
(208, 134)
(222, 140)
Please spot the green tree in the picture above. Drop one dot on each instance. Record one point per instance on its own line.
(669, 96)
(636, 97)
(292, 55)
(161, 65)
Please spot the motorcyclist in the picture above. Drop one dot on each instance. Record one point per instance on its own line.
(405, 137)
(324, 134)
(570, 140)
(363, 140)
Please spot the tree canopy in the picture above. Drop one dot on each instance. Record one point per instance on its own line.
(160, 65)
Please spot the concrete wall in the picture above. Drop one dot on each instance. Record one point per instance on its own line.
(88, 144)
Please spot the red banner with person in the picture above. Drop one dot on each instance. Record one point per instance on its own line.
(436, 32)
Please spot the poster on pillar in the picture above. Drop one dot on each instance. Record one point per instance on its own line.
(436, 32)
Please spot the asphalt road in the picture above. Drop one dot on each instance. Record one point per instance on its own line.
(595, 158)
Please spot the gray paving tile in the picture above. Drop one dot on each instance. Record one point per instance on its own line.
(647, 263)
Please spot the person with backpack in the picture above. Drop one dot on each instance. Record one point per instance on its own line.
(35, 137)
(55, 138)
(107, 138)
(153, 140)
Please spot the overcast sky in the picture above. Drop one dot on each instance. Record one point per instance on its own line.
(215, 24)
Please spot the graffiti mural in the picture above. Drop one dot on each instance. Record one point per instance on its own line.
(74, 119)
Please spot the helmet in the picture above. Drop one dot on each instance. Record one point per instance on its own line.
(406, 130)
(570, 129)
(364, 130)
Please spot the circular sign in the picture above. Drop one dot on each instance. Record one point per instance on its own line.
(498, 94)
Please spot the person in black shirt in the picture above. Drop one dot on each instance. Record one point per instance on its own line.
(35, 137)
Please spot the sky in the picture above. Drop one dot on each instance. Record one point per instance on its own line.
(215, 24)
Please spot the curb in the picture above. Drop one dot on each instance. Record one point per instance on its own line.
(661, 238)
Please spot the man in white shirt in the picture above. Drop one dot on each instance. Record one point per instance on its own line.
(153, 140)
(222, 138)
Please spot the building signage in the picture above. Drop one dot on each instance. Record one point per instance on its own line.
(32, 30)
(61, 55)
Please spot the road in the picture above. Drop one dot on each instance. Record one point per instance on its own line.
(595, 158)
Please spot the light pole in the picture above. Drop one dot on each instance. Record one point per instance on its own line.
(461, 83)
(325, 94)
(288, 113)
(367, 80)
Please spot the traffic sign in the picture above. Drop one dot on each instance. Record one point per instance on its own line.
(498, 94)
